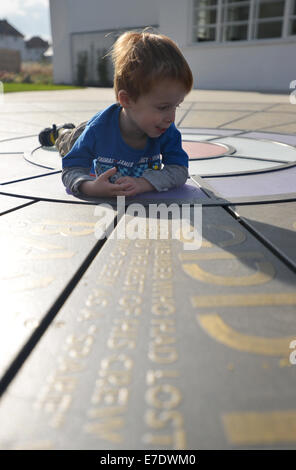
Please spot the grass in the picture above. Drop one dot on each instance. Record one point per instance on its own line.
(15, 87)
(33, 76)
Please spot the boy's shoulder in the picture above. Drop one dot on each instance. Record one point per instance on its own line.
(104, 116)
(170, 133)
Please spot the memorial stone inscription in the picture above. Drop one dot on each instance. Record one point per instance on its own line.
(159, 347)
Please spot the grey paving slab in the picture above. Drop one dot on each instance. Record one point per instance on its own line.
(14, 167)
(208, 131)
(21, 126)
(229, 165)
(289, 108)
(19, 144)
(9, 202)
(261, 186)
(197, 137)
(288, 128)
(37, 119)
(60, 106)
(10, 133)
(235, 96)
(265, 120)
(211, 118)
(275, 223)
(50, 187)
(287, 139)
(44, 157)
(76, 117)
(229, 106)
(42, 247)
(260, 149)
(164, 348)
(11, 107)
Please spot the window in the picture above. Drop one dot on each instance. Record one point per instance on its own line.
(241, 20)
(205, 19)
(269, 19)
(235, 19)
(292, 18)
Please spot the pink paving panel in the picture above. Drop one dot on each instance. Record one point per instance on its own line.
(197, 150)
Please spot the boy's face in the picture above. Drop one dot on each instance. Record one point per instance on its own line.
(155, 111)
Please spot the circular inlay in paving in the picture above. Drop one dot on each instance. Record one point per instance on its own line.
(205, 150)
(236, 166)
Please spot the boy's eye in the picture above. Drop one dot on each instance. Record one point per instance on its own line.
(167, 107)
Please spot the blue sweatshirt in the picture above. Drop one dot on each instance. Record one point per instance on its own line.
(101, 147)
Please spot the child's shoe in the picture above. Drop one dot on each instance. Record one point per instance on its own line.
(49, 135)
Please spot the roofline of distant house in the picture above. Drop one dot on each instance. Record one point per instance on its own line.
(6, 29)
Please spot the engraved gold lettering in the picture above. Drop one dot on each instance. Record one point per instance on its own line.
(176, 440)
(96, 298)
(45, 444)
(162, 354)
(122, 360)
(108, 395)
(164, 396)
(129, 303)
(162, 350)
(238, 236)
(163, 308)
(221, 255)
(55, 398)
(153, 375)
(69, 365)
(265, 272)
(268, 427)
(243, 300)
(63, 228)
(165, 440)
(80, 346)
(110, 424)
(111, 389)
(218, 329)
(123, 334)
(35, 244)
(109, 272)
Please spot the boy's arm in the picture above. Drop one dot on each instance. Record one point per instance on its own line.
(80, 183)
(73, 176)
(170, 176)
(175, 162)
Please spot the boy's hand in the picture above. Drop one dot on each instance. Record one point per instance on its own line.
(124, 186)
(134, 186)
(101, 186)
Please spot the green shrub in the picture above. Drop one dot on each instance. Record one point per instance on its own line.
(103, 69)
(82, 68)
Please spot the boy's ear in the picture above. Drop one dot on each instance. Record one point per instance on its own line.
(124, 98)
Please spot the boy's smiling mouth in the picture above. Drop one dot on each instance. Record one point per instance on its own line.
(161, 129)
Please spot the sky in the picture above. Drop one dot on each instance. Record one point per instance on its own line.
(29, 17)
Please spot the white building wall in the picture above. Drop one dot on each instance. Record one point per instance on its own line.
(258, 67)
(14, 43)
(34, 54)
(60, 15)
(73, 16)
(267, 65)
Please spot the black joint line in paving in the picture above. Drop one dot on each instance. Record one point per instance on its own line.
(289, 263)
(30, 177)
(226, 304)
(26, 204)
(48, 318)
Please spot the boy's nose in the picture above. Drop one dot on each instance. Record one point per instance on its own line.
(171, 116)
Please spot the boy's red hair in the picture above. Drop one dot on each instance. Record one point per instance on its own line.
(142, 59)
